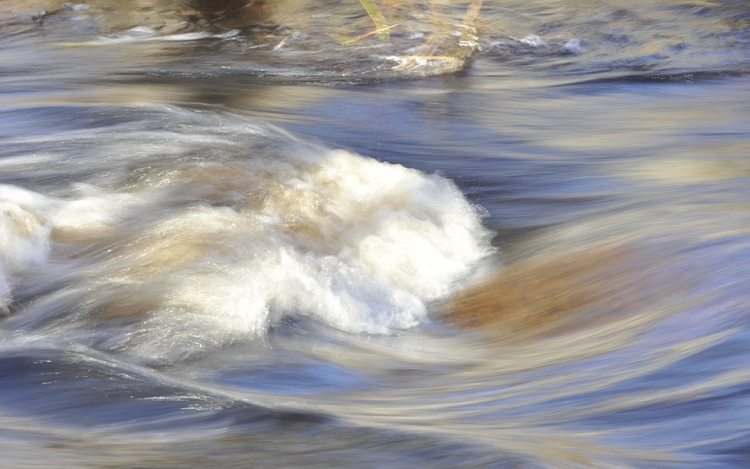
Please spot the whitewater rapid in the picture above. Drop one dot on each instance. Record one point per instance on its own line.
(193, 238)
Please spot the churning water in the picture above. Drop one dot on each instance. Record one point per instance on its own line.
(233, 234)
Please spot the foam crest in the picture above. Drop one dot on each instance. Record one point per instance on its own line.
(356, 243)
(24, 236)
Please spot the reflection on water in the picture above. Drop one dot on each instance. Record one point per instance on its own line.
(538, 261)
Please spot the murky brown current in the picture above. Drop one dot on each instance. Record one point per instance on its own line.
(250, 234)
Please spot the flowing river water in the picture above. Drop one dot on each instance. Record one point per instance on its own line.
(234, 234)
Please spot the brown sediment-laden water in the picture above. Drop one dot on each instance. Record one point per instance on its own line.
(293, 234)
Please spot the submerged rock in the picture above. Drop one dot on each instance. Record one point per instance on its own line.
(554, 295)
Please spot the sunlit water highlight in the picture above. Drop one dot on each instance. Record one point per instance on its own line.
(233, 246)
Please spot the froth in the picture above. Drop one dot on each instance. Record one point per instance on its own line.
(195, 251)
(24, 236)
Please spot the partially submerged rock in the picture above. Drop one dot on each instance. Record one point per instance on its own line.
(553, 295)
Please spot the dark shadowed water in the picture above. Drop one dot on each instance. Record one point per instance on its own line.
(517, 239)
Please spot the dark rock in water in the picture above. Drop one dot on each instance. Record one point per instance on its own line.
(229, 9)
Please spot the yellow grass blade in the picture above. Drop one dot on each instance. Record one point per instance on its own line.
(349, 42)
(377, 17)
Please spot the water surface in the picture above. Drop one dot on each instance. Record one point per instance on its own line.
(228, 240)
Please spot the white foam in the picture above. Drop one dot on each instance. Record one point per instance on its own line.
(24, 236)
(356, 243)
(533, 40)
(145, 34)
(573, 46)
(203, 251)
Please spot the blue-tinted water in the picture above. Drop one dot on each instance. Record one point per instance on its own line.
(227, 240)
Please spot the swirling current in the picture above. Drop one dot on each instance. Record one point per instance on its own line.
(490, 234)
